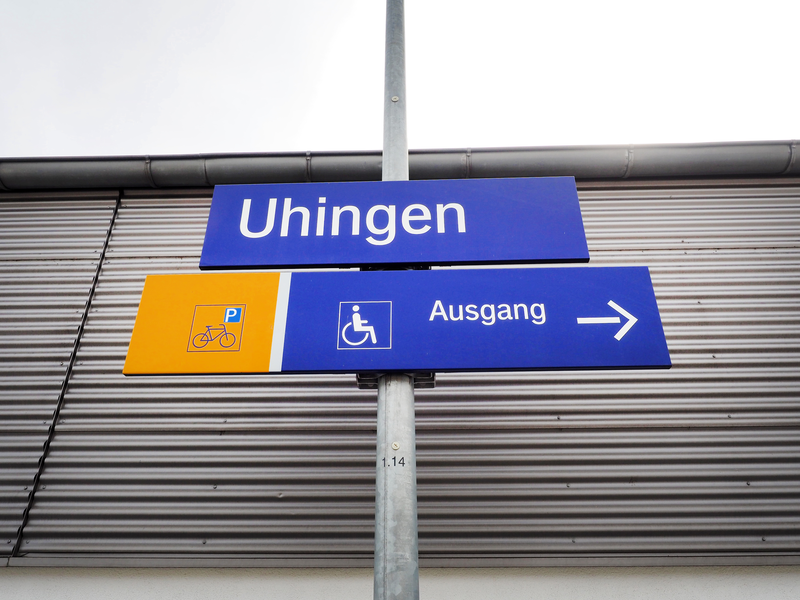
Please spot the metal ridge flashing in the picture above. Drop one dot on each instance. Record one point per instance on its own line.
(728, 159)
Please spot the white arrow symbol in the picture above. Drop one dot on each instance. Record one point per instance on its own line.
(598, 320)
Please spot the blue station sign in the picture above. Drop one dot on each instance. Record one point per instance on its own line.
(437, 320)
(442, 222)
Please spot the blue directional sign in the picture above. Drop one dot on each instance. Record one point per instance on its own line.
(489, 319)
(442, 222)
(438, 320)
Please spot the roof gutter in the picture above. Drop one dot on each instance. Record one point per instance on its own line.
(737, 159)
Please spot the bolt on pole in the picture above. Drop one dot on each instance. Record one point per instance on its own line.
(396, 546)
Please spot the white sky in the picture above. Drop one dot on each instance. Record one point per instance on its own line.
(106, 77)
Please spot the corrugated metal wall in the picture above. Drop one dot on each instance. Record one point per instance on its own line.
(49, 254)
(699, 464)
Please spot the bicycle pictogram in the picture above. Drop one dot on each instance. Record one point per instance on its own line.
(225, 337)
(216, 328)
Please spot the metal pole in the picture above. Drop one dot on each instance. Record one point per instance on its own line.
(396, 557)
(396, 549)
(395, 138)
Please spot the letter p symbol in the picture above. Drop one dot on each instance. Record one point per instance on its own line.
(233, 315)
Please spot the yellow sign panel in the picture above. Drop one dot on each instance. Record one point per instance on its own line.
(208, 323)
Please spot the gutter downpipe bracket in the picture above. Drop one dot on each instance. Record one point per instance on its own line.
(792, 158)
(629, 164)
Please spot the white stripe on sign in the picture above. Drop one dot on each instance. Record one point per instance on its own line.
(279, 330)
(595, 320)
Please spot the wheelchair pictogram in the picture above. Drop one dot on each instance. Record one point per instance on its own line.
(365, 325)
(359, 324)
